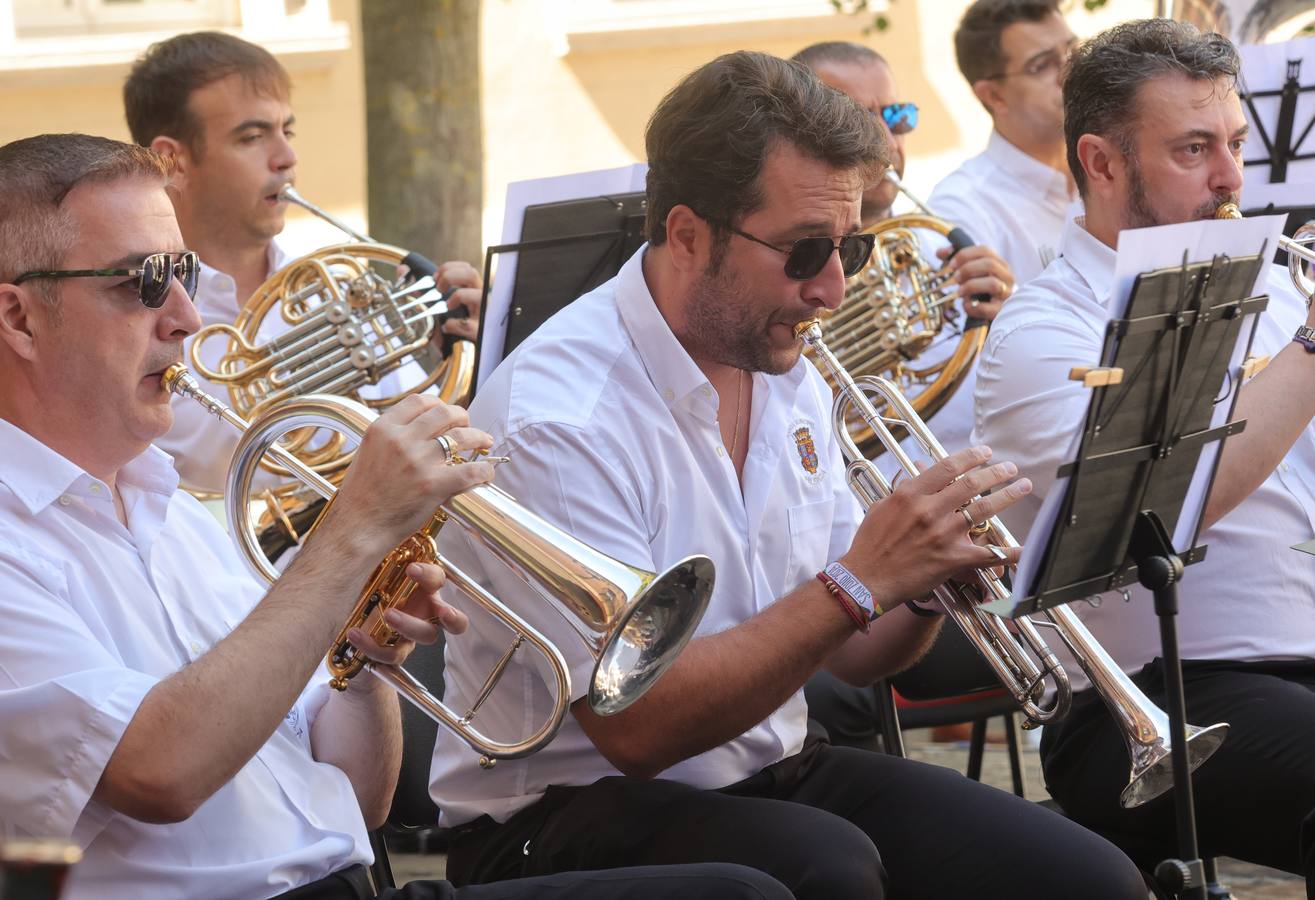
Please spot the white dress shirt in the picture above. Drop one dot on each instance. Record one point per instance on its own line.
(612, 433)
(95, 616)
(1252, 598)
(1008, 201)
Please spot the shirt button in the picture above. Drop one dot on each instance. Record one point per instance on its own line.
(65, 499)
(1283, 467)
(720, 451)
(95, 488)
(707, 391)
(669, 395)
(196, 648)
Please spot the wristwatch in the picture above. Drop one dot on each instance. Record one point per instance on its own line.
(1305, 336)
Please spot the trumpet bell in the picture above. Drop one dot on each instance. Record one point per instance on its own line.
(1152, 763)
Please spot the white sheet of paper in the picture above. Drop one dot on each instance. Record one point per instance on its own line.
(1265, 68)
(523, 194)
(1145, 250)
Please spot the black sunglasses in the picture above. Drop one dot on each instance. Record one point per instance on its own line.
(807, 256)
(154, 277)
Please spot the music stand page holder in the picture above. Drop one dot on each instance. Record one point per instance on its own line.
(1161, 401)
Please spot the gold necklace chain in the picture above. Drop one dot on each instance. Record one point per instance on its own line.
(739, 406)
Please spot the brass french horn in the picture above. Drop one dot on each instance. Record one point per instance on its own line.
(896, 309)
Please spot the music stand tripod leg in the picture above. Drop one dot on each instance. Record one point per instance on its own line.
(1159, 570)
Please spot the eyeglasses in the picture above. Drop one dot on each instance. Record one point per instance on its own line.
(1043, 65)
(807, 256)
(900, 118)
(154, 277)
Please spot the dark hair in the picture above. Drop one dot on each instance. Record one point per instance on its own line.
(36, 175)
(709, 137)
(1104, 76)
(977, 39)
(840, 53)
(156, 94)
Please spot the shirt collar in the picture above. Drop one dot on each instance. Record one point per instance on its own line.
(1092, 259)
(214, 283)
(669, 366)
(1027, 170)
(38, 475)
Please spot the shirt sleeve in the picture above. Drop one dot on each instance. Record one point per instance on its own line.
(65, 701)
(1025, 407)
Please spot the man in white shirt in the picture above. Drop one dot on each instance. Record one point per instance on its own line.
(1015, 194)
(670, 412)
(220, 109)
(157, 706)
(851, 714)
(1155, 133)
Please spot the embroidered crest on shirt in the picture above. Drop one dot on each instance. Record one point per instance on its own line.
(801, 432)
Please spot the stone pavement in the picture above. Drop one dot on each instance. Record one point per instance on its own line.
(1248, 882)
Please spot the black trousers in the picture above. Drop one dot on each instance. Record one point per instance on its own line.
(830, 822)
(693, 882)
(1255, 798)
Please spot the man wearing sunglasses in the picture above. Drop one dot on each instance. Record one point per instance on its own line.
(671, 412)
(220, 109)
(1016, 193)
(158, 707)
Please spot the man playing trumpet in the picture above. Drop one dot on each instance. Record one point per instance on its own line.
(669, 411)
(1155, 131)
(157, 706)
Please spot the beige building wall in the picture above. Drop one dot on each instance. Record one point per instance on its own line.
(568, 84)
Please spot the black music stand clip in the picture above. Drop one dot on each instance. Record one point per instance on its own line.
(1152, 414)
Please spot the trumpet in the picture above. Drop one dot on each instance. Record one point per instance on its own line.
(632, 621)
(1023, 663)
(1300, 249)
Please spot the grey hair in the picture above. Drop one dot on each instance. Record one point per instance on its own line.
(1105, 74)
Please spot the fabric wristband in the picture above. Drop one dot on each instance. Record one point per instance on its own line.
(852, 594)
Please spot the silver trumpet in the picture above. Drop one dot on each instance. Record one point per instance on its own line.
(1300, 249)
(1022, 661)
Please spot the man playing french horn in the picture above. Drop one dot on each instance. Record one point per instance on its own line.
(220, 109)
(1155, 133)
(670, 410)
(157, 706)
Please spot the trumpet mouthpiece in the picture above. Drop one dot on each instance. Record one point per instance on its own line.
(1228, 210)
(289, 193)
(175, 378)
(800, 330)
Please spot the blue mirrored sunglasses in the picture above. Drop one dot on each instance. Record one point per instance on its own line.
(900, 118)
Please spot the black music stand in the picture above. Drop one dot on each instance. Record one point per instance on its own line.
(567, 249)
(1166, 362)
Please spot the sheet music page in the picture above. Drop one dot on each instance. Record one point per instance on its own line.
(1265, 68)
(1145, 250)
(522, 194)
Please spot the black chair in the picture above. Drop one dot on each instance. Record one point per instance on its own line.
(413, 818)
(950, 685)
